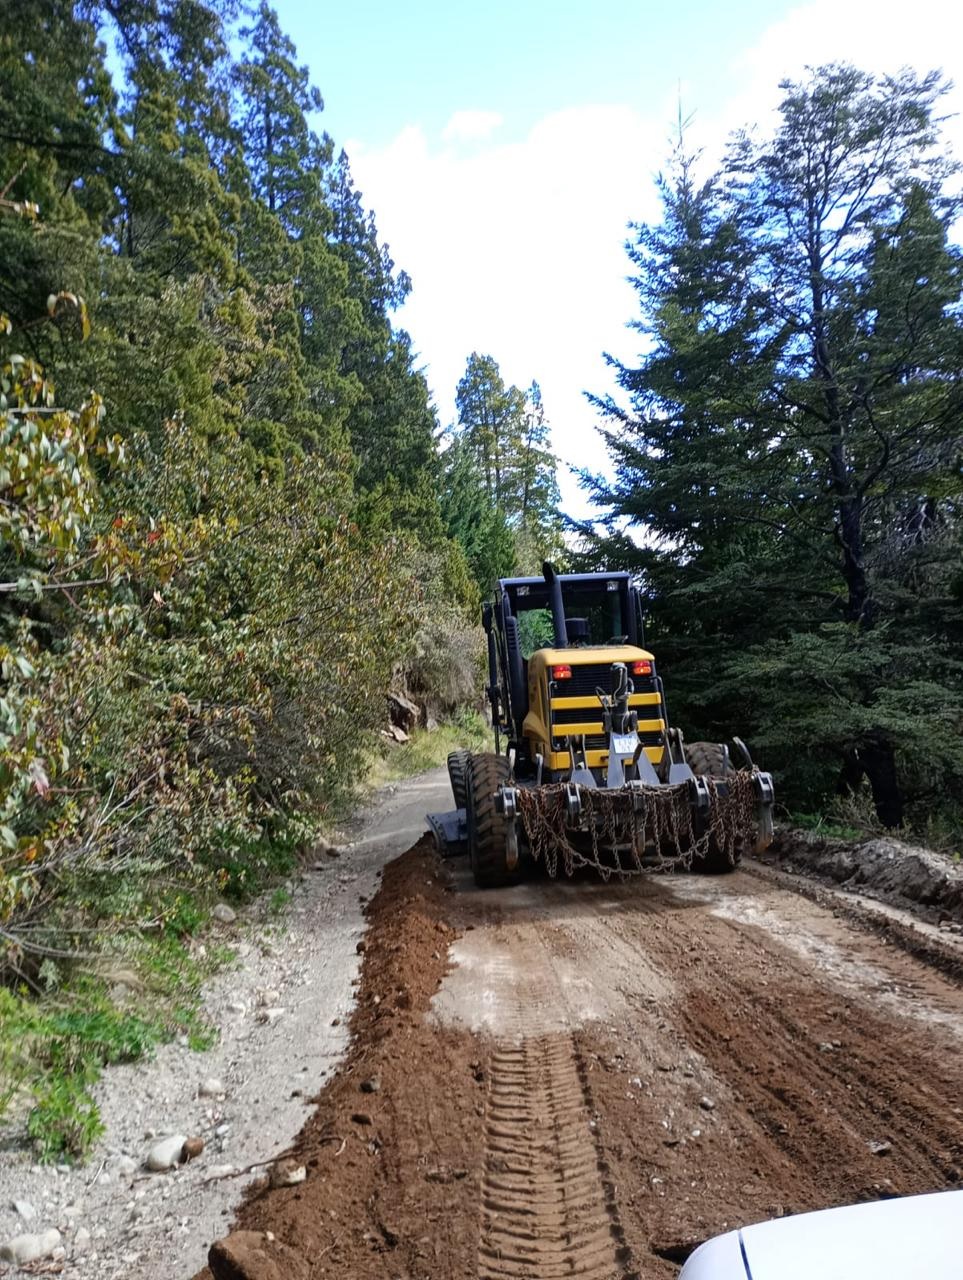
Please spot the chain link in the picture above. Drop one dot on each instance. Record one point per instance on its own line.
(638, 829)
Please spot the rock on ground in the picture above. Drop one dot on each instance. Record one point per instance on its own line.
(29, 1247)
(254, 1255)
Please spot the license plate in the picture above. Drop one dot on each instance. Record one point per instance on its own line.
(624, 744)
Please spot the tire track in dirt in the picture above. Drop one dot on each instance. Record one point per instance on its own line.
(595, 1078)
(547, 1208)
(546, 1213)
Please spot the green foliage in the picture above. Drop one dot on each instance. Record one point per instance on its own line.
(429, 749)
(790, 452)
(500, 495)
(58, 1054)
(443, 667)
(536, 630)
(64, 1122)
(212, 567)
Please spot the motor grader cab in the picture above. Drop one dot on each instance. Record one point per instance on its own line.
(586, 770)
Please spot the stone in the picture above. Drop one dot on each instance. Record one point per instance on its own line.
(361, 1117)
(166, 1153)
(287, 1174)
(29, 1247)
(268, 996)
(255, 1255)
(371, 1086)
(223, 913)
(211, 1088)
(81, 1240)
(270, 1015)
(402, 712)
(193, 1148)
(881, 1148)
(25, 1210)
(707, 1104)
(123, 1166)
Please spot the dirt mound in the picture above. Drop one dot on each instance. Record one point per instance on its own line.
(905, 875)
(387, 1191)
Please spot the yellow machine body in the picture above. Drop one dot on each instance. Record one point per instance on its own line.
(552, 711)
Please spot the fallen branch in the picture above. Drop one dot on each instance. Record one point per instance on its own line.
(258, 1164)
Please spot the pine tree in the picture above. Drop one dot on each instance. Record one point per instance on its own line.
(471, 519)
(793, 425)
(491, 418)
(391, 422)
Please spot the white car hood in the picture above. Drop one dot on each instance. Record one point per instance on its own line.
(915, 1238)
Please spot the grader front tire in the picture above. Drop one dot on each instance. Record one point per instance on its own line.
(487, 829)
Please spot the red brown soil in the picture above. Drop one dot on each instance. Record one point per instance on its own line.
(728, 1077)
(390, 1186)
(807, 1087)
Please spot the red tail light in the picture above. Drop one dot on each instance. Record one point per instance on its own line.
(562, 672)
(642, 668)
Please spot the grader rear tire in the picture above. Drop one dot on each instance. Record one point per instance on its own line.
(708, 760)
(487, 829)
(458, 763)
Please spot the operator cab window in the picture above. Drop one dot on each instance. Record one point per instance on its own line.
(600, 609)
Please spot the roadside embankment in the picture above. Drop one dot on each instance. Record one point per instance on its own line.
(904, 875)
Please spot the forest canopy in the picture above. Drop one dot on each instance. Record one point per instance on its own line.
(225, 520)
(787, 454)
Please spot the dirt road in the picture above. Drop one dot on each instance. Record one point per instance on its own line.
(589, 1079)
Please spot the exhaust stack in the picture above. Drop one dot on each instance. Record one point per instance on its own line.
(556, 605)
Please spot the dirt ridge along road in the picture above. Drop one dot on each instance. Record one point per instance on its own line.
(602, 1076)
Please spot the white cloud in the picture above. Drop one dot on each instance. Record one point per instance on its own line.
(516, 249)
(880, 36)
(471, 126)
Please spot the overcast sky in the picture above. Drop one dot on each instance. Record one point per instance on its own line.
(505, 146)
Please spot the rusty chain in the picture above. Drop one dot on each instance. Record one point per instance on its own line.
(641, 829)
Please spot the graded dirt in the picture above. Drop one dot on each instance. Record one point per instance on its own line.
(589, 1079)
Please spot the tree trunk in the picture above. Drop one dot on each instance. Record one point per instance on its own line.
(849, 511)
(873, 757)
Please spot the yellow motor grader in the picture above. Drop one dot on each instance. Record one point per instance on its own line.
(586, 770)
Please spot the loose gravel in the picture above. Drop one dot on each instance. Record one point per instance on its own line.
(282, 1012)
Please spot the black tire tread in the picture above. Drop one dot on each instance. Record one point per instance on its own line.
(486, 827)
(708, 760)
(458, 762)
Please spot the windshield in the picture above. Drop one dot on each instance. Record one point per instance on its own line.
(600, 609)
